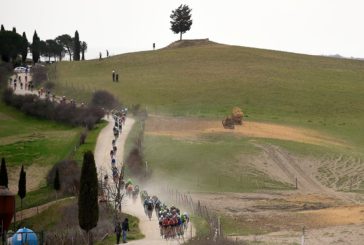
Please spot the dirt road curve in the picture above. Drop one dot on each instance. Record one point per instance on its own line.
(103, 163)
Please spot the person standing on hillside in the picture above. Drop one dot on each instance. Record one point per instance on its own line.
(118, 232)
(125, 228)
(113, 76)
(117, 77)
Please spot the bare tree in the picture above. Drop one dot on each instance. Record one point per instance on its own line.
(112, 190)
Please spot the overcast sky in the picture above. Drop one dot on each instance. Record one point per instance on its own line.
(303, 26)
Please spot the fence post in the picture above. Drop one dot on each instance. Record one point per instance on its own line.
(351, 183)
(192, 205)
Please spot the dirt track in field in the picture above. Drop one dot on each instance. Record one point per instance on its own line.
(192, 127)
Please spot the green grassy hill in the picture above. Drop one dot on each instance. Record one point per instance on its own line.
(208, 79)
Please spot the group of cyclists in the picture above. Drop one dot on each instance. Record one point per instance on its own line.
(119, 120)
(27, 85)
(172, 222)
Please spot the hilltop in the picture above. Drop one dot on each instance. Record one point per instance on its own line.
(190, 43)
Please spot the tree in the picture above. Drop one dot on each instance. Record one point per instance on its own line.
(50, 48)
(43, 48)
(2, 28)
(36, 46)
(88, 209)
(14, 29)
(76, 47)
(22, 191)
(24, 49)
(67, 43)
(56, 183)
(59, 51)
(3, 174)
(181, 20)
(10, 45)
(83, 49)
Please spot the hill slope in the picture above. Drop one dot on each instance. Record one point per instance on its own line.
(207, 80)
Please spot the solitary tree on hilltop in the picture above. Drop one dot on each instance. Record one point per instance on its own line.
(77, 47)
(3, 174)
(14, 29)
(88, 209)
(2, 28)
(181, 20)
(22, 191)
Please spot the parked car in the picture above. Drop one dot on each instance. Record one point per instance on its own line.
(20, 69)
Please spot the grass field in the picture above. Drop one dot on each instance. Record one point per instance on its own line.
(90, 142)
(316, 92)
(38, 144)
(212, 164)
(26, 140)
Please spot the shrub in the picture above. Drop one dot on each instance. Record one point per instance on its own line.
(5, 70)
(8, 95)
(39, 74)
(69, 173)
(135, 162)
(49, 85)
(46, 109)
(104, 99)
(83, 137)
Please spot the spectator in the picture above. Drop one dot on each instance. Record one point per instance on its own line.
(118, 232)
(125, 228)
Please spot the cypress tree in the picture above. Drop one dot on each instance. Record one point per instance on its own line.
(36, 47)
(3, 174)
(2, 28)
(88, 209)
(83, 49)
(24, 49)
(14, 29)
(57, 183)
(22, 191)
(77, 47)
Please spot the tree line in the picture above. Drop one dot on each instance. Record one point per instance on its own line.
(15, 47)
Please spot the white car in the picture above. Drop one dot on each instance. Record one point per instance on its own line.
(20, 69)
